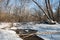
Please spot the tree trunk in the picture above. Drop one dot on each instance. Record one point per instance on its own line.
(41, 9)
(50, 21)
(47, 8)
(50, 9)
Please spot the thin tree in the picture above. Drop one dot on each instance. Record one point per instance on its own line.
(41, 9)
(50, 20)
(50, 9)
(47, 8)
(7, 2)
(58, 12)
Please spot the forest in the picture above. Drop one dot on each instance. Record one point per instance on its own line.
(29, 10)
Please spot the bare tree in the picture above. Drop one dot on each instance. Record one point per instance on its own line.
(43, 11)
(41, 8)
(58, 12)
(49, 10)
(7, 2)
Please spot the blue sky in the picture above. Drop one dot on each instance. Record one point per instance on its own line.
(39, 1)
(54, 4)
(33, 5)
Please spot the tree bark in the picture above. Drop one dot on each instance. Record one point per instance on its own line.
(50, 21)
(50, 9)
(47, 8)
(7, 2)
(41, 9)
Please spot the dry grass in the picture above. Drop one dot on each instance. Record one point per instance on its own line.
(5, 17)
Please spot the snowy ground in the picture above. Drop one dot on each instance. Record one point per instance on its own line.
(31, 25)
(8, 35)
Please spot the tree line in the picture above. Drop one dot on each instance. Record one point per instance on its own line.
(24, 10)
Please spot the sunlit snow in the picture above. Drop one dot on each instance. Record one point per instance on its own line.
(8, 35)
(36, 26)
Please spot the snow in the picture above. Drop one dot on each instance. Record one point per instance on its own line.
(8, 35)
(32, 25)
(43, 28)
(5, 25)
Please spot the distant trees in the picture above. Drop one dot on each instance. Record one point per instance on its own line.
(22, 9)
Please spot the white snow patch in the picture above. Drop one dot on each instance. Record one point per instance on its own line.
(31, 25)
(8, 35)
(5, 25)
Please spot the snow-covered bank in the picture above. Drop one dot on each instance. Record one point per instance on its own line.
(43, 28)
(5, 25)
(8, 35)
(39, 27)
